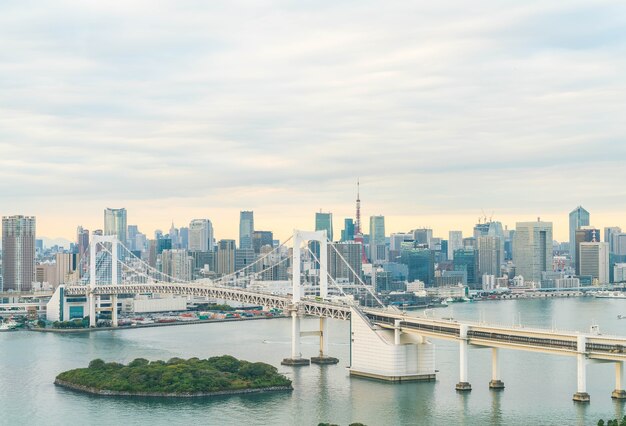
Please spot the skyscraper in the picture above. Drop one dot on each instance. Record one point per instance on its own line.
(532, 249)
(177, 264)
(489, 255)
(225, 257)
(347, 234)
(246, 228)
(18, 252)
(584, 234)
(455, 242)
(351, 252)
(377, 238)
(82, 240)
(200, 235)
(578, 218)
(324, 222)
(261, 239)
(115, 224)
(610, 237)
(594, 261)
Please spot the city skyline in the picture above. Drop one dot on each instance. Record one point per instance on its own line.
(440, 111)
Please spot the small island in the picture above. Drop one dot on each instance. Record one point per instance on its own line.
(221, 375)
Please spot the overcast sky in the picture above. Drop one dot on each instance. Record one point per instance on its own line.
(179, 109)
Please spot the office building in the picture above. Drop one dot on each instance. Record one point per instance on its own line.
(466, 260)
(610, 237)
(338, 269)
(594, 261)
(82, 240)
(422, 236)
(585, 234)
(177, 265)
(261, 239)
(18, 253)
(115, 224)
(347, 234)
(532, 249)
(225, 263)
(324, 222)
(578, 218)
(131, 234)
(200, 235)
(420, 263)
(246, 229)
(455, 242)
(489, 255)
(377, 239)
(619, 273)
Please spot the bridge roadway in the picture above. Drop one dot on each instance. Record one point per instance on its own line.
(599, 347)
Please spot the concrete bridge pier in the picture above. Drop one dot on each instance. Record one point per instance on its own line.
(323, 358)
(581, 395)
(463, 385)
(296, 359)
(495, 382)
(619, 392)
(92, 309)
(114, 321)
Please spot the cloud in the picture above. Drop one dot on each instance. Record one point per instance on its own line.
(280, 105)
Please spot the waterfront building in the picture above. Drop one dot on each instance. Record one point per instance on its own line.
(225, 257)
(489, 255)
(324, 222)
(585, 234)
(532, 249)
(455, 242)
(466, 260)
(619, 273)
(377, 239)
(347, 234)
(177, 264)
(18, 252)
(567, 283)
(594, 261)
(115, 224)
(246, 229)
(201, 235)
(578, 218)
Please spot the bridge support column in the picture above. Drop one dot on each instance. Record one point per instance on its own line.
(114, 322)
(323, 358)
(92, 310)
(619, 392)
(463, 385)
(495, 382)
(296, 357)
(581, 395)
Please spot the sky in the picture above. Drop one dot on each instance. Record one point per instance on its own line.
(194, 109)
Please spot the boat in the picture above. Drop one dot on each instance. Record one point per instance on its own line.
(8, 326)
(610, 294)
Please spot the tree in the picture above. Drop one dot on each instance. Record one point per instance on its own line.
(97, 364)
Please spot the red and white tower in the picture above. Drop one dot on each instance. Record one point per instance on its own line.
(358, 234)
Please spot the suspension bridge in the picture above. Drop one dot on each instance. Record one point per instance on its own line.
(385, 344)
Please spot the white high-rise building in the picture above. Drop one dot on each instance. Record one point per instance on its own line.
(594, 261)
(200, 235)
(455, 242)
(18, 253)
(532, 249)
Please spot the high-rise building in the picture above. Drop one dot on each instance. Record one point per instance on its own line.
(324, 222)
(338, 269)
(422, 235)
(131, 234)
(82, 240)
(578, 218)
(466, 260)
(177, 264)
(347, 233)
(183, 234)
(115, 224)
(225, 257)
(489, 255)
(532, 249)
(420, 263)
(66, 265)
(584, 234)
(246, 229)
(377, 239)
(200, 235)
(455, 242)
(610, 237)
(18, 253)
(261, 239)
(594, 261)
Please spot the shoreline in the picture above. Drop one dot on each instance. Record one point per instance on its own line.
(131, 327)
(103, 392)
